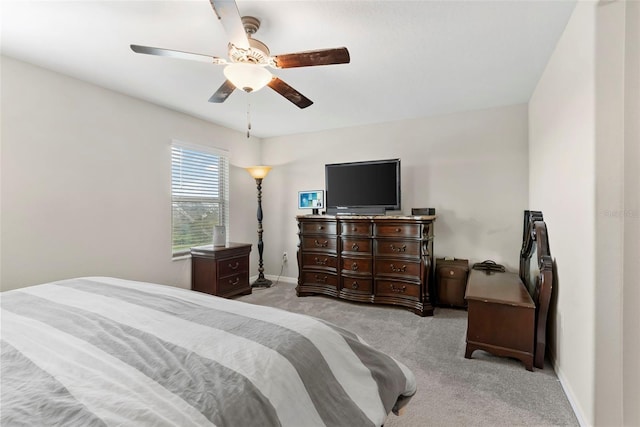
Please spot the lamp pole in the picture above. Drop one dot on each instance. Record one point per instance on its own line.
(258, 173)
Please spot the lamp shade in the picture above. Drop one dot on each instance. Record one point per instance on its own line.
(258, 172)
(248, 77)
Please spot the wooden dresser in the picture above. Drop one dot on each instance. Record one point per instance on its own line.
(221, 270)
(373, 259)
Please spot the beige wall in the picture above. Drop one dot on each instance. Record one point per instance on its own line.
(631, 291)
(582, 177)
(609, 261)
(72, 152)
(472, 167)
(86, 181)
(562, 186)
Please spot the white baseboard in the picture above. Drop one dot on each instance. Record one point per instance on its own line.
(274, 279)
(568, 390)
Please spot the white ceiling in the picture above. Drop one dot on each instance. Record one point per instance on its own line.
(408, 58)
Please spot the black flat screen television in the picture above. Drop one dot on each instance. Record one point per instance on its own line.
(365, 188)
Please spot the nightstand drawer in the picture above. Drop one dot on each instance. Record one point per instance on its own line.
(233, 265)
(233, 283)
(449, 272)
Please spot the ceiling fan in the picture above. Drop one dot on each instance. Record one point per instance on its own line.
(249, 57)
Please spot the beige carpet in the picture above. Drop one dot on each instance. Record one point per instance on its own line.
(452, 390)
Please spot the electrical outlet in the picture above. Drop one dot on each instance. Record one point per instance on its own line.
(285, 257)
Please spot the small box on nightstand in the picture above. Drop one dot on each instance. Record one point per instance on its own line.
(451, 281)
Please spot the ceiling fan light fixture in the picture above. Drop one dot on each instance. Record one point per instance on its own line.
(248, 77)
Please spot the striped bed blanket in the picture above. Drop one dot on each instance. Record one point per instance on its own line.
(100, 351)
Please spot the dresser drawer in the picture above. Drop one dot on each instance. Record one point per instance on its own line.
(398, 230)
(402, 268)
(356, 246)
(357, 284)
(320, 261)
(317, 278)
(357, 265)
(402, 248)
(318, 227)
(233, 266)
(319, 243)
(233, 283)
(355, 229)
(397, 288)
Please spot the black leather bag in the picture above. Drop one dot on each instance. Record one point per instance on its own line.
(489, 267)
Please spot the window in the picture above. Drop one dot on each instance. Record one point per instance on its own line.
(199, 195)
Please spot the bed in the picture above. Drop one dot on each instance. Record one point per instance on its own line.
(107, 351)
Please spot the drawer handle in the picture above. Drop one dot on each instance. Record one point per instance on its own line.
(398, 249)
(234, 267)
(399, 290)
(451, 273)
(354, 266)
(234, 282)
(321, 227)
(321, 244)
(355, 247)
(355, 285)
(321, 279)
(321, 261)
(398, 269)
(398, 230)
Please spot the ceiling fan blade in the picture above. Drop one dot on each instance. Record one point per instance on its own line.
(223, 92)
(311, 58)
(177, 54)
(290, 93)
(229, 16)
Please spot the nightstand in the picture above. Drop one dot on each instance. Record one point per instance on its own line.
(221, 270)
(451, 281)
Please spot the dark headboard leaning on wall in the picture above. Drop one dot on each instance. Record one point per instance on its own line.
(536, 272)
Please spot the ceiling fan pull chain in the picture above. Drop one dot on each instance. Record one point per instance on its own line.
(248, 116)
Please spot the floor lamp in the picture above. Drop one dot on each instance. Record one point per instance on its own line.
(258, 173)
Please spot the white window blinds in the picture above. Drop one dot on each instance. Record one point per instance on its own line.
(199, 195)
